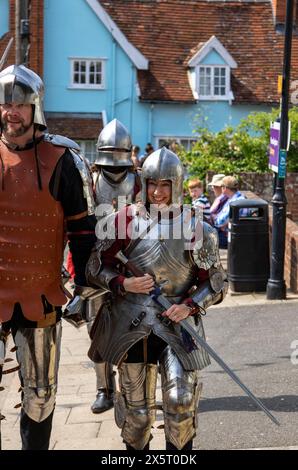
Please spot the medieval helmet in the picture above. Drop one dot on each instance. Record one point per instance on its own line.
(163, 164)
(114, 146)
(18, 84)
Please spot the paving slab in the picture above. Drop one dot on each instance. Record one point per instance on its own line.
(225, 413)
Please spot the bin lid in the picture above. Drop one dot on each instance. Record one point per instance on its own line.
(249, 203)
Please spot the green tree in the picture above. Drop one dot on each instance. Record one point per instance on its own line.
(243, 148)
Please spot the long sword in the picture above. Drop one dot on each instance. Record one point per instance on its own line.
(5, 53)
(162, 301)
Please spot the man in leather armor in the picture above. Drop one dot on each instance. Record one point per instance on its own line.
(135, 333)
(45, 186)
(116, 180)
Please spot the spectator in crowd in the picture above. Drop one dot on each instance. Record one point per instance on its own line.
(230, 189)
(220, 198)
(199, 200)
(148, 150)
(135, 156)
(174, 146)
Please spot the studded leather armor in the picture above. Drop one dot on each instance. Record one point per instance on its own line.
(31, 232)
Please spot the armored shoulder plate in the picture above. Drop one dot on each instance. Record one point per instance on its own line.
(83, 168)
(61, 141)
(207, 255)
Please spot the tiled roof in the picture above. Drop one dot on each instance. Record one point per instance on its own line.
(167, 31)
(75, 127)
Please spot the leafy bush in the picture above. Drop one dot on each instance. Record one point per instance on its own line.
(240, 149)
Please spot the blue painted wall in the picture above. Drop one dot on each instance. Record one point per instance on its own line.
(213, 58)
(72, 35)
(81, 34)
(181, 121)
(4, 17)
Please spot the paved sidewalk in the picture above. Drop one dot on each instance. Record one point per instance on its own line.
(75, 427)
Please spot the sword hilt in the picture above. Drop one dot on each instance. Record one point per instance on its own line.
(133, 269)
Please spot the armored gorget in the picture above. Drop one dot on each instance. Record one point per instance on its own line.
(107, 190)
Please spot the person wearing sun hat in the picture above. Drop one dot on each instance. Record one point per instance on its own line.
(229, 185)
(220, 198)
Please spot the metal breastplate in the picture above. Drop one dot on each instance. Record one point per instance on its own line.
(106, 191)
(163, 254)
(172, 265)
(31, 233)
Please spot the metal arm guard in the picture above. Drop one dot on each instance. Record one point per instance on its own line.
(206, 257)
(96, 274)
(212, 291)
(84, 306)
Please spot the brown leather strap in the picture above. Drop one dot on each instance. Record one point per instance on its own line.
(10, 371)
(77, 216)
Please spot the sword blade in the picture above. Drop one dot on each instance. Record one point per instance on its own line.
(5, 53)
(164, 302)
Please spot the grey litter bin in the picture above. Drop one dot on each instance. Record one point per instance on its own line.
(248, 245)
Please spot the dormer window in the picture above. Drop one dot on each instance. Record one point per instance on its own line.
(212, 81)
(210, 70)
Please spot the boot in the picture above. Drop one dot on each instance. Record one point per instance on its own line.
(132, 449)
(103, 401)
(170, 446)
(105, 387)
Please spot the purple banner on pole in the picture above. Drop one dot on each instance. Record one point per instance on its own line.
(274, 146)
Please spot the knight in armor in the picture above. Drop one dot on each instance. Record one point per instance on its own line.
(44, 186)
(133, 331)
(115, 180)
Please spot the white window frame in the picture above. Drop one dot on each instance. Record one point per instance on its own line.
(82, 144)
(87, 85)
(168, 138)
(212, 97)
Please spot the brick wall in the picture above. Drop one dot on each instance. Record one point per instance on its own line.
(36, 35)
(291, 249)
(262, 185)
(292, 195)
(291, 255)
(279, 11)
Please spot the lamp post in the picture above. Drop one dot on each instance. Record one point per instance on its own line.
(276, 286)
(22, 33)
(17, 31)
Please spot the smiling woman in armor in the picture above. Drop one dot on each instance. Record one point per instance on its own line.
(133, 331)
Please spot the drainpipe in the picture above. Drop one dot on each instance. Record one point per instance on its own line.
(104, 118)
(131, 99)
(151, 109)
(25, 32)
(17, 31)
(113, 91)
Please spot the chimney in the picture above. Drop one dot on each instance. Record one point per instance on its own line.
(279, 12)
